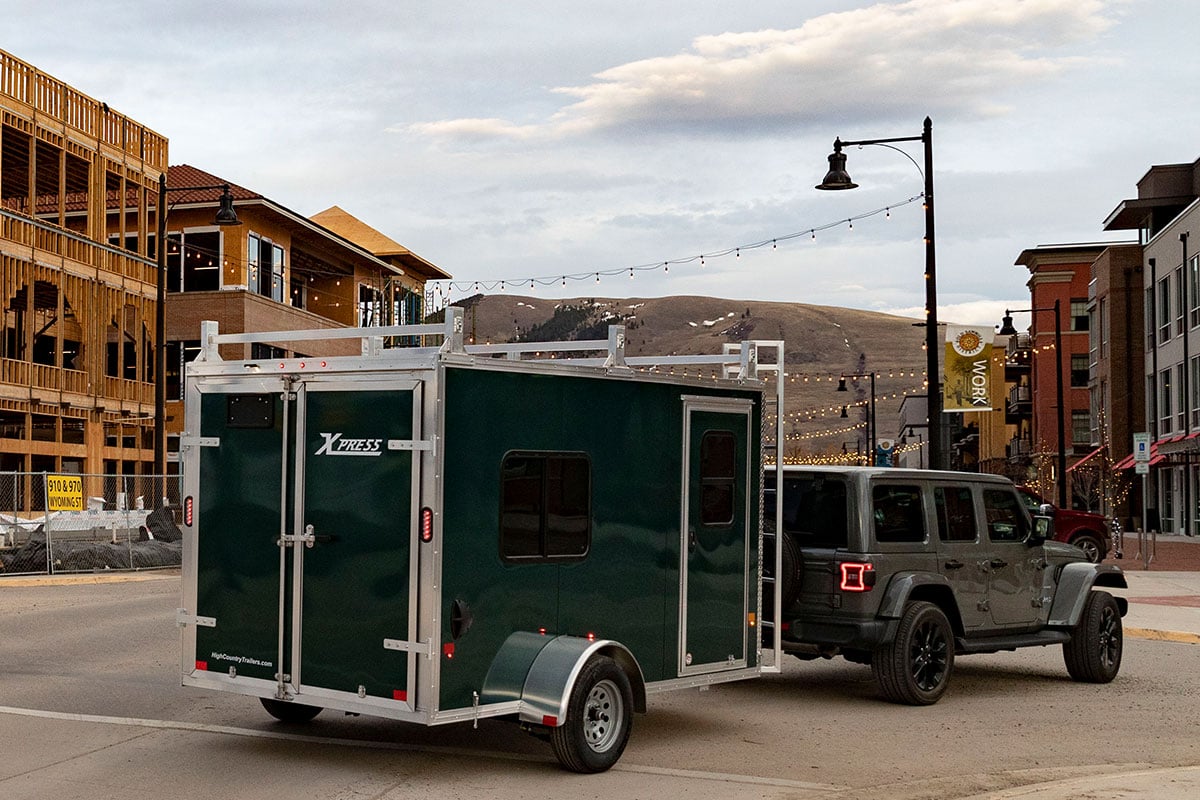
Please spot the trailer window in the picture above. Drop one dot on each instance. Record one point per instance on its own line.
(545, 507)
(718, 476)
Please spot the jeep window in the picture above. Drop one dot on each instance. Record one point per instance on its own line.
(814, 510)
(898, 513)
(545, 507)
(955, 514)
(718, 475)
(1006, 518)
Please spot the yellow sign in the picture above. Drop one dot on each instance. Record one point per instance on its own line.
(967, 384)
(64, 493)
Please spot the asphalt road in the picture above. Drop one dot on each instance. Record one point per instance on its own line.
(90, 707)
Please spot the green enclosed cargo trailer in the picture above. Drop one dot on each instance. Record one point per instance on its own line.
(444, 533)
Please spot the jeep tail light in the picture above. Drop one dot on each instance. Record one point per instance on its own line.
(856, 576)
(426, 524)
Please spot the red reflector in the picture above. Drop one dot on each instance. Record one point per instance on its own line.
(542, 631)
(591, 637)
(787, 626)
(202, 665)
(549, 721)
(324, 363)
(400, 694)
(426, 524)
(857, 577)
(448, 649)
(301, 365)
(187, 511)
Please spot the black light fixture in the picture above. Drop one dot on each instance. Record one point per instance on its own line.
(225, 216)
(838, 179)
(845, 412)
(872, 433)
(1007, 329)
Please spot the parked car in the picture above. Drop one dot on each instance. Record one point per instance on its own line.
(905, 570)
(1087, 531)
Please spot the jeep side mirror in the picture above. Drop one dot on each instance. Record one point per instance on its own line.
(1043, 529)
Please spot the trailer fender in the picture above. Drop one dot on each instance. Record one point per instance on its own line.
(540, 672)
(1076, 583)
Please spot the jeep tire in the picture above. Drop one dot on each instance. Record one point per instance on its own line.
(914, 668)
(1093, 655)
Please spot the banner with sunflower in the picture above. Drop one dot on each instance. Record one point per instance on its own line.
(967, 384)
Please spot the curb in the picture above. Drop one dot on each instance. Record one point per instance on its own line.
(80, 580)
(1163, 636)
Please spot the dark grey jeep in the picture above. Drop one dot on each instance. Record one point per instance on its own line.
(907, 569)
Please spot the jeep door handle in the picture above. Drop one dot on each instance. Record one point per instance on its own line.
(997, 563)
(954, 564)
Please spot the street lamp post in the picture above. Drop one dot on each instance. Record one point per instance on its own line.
(1007, 329)
(921, 442)
(838, 178)
(225, 216)
(872, 433)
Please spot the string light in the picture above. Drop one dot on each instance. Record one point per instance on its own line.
(702, 259)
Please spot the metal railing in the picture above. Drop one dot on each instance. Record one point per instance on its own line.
(59, 523)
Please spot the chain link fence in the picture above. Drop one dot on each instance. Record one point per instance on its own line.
(60, 523)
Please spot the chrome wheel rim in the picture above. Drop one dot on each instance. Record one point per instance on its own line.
(603, 716)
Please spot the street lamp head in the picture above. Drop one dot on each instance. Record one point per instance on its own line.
(1006, 325)
(225, 214)
(845, 412)
(842, 384)
(837, 178)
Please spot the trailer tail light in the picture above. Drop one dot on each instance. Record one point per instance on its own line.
(426, 524)
(857, 576)
(188, 516)
(448, 649)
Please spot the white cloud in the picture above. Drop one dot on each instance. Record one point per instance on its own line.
(951, 57)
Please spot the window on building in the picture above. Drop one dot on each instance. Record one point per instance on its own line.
(1180, 302)
(1181, 402)
(370, 306)
(1081, 427)
(268, 352)
(1102, 315)
(1079, 314)
(264, 267)
(1149, 314)
(1164, 402)
(1194, 390)
(1096, 403)
(1193, 281)
(1079, 370)
(1164, 310)
(545, 507)
(179, 353)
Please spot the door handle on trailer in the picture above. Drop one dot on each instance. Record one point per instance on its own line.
(691, 540)
(954, 564)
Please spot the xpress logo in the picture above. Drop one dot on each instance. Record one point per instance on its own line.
(336, 444)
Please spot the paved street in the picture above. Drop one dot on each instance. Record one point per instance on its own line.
(90, 707)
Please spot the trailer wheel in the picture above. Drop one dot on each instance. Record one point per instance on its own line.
(289, 712)
(1093, 654)
(599, 718)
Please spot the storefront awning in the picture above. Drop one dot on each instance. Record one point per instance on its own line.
(1084, 460)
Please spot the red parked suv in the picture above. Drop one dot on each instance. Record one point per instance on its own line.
(1087, 531)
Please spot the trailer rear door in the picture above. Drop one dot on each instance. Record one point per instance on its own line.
(307, 516)
(716, 575)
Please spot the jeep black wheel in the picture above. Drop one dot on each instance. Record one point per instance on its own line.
(1093, 655)
(915, 667)
(289, 712)
(599, 718)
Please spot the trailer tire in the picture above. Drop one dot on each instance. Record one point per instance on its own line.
(599, 718)
(289, 712)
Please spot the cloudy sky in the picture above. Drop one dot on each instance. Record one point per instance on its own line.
(553, 141)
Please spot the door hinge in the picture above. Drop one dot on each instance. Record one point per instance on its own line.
(182, 617)
(410, 444)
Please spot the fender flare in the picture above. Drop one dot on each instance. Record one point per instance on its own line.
(901, 587)
(540, 672)
(1075, 583)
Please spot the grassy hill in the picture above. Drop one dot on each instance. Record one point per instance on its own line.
(821, 343)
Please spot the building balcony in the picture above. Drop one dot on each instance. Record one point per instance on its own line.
(1018, 448)
(40, 237)
(1019, 406)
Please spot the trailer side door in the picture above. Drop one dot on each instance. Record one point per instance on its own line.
(715, 563)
